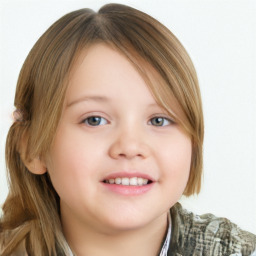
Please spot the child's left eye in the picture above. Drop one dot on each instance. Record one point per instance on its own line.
(160, 121)
(95, 121)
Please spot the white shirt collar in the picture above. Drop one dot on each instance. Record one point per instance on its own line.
(165, 247)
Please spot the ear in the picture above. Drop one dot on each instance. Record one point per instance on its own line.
(36, 166)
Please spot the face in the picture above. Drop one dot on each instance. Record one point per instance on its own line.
(118, 160)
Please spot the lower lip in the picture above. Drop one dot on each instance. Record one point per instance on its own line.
(128, 190)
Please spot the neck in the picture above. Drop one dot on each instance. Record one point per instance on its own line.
(144, 241)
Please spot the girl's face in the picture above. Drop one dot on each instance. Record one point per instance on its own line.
(112, 131)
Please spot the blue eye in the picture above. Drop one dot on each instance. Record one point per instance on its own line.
(95, 121)
(160, 121)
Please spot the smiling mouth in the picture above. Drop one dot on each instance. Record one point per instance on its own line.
(133, 181)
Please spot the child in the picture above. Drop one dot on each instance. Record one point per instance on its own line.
(107, 136)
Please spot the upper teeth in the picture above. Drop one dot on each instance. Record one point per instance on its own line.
(134, 181)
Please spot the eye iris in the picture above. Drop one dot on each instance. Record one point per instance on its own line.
(94, 120)
(158, 121)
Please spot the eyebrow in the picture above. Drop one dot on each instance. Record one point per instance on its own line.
(88, 98)
(97, 98)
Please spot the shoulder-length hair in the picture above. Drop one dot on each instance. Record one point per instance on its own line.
(31, 210)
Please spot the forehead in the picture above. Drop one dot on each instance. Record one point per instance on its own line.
(104, 70)
(101, 60)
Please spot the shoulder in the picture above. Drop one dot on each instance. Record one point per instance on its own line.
(208, 235)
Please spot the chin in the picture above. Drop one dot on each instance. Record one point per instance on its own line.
(120, 222)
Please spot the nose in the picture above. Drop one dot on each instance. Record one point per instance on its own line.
(129, 144)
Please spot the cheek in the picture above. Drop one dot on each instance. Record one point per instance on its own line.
(73, 152)
(70, 163)
(176, 160)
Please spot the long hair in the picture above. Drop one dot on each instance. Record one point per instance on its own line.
(31, 210)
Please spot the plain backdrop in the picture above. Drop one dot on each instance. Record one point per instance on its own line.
(220, 37)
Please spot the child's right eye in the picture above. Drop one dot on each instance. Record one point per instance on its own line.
(95, 121)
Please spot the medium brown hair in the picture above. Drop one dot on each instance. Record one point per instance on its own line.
(31, 210)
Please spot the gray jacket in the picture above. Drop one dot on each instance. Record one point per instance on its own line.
(207, 235)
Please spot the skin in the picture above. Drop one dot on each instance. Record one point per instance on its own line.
(105, 84)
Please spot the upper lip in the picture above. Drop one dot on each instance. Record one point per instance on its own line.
(128, 175)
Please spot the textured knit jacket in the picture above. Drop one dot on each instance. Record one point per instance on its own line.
(207, 235)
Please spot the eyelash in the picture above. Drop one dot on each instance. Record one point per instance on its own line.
(98, 119)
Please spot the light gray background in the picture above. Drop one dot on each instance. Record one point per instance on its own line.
(220, 36)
